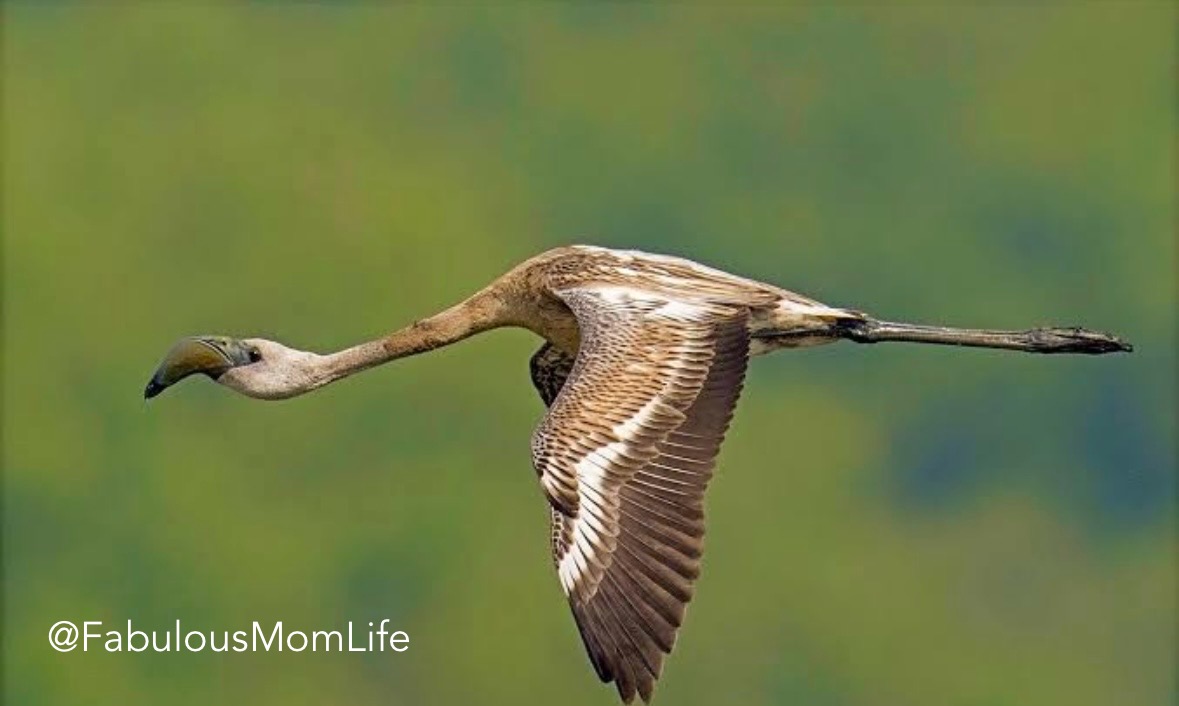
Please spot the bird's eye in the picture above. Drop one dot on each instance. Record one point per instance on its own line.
(255, 355)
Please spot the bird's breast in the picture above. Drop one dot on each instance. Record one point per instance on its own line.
(554, 321)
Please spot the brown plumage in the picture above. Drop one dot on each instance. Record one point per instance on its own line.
(643, 362)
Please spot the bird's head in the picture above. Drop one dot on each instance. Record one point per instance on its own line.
(254, 367)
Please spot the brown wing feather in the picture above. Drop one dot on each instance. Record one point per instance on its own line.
(632, 434)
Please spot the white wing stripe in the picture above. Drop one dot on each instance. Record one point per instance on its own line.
(639, 421)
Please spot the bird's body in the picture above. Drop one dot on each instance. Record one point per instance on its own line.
(643, 360)
(529, 296)
(658, 284)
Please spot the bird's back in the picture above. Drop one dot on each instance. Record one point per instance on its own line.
(649, 276)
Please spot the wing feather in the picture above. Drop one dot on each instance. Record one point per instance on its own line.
(624, 456)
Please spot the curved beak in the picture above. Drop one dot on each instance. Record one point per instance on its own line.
(211, 355)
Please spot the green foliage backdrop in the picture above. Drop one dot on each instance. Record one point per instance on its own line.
(889, 525)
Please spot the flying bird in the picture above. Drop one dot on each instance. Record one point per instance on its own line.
(644, 357)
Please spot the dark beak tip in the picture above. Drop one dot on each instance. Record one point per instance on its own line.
(153, 388)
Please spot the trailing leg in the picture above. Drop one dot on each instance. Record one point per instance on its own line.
(1036, 340)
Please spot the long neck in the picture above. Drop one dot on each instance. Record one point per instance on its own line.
(481, 312)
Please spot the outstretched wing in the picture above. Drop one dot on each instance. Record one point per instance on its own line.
(624, 456)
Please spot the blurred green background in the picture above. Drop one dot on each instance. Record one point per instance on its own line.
(889, 525)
